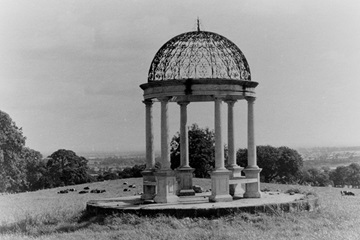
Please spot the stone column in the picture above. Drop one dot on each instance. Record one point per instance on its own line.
(149, 180)
(184, 143)
(219, 148)
(165, 177)
(150, 156)
(165, 140)
(220, 176)
(252, 170)
(235, 189)
(252, 163)
(231, 140)
(184, 171)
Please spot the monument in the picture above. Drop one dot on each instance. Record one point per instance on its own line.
(199, 66)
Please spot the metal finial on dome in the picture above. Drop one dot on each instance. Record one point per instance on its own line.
(198, 24)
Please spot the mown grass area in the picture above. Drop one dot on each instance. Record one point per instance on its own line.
(48, 215)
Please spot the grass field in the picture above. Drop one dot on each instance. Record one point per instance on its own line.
(47, 215)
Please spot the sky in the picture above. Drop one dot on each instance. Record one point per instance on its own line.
(70, 70)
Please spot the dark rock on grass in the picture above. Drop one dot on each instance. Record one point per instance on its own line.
(198, 189)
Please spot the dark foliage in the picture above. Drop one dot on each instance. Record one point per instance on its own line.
(64, 168)
(315, 177)
(35, 169)
(289, 165)
(132, 172)
(110, 176)
(12, 141)
(21, 168)
(201, 151)
(346, 175)
(281, 164)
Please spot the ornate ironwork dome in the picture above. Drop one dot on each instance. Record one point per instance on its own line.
(199, 55)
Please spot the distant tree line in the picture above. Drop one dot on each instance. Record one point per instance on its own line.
(128, 172)
(119, 161)
(282, 165)
(279, 165)
(24, 169)
(341, 176)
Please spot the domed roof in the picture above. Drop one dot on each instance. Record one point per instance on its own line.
(199, 55)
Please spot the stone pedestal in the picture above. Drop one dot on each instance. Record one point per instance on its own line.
(149, 185)
(185, 181)
(236, 190)
(166, 187)
(253, 189)
(220, 186)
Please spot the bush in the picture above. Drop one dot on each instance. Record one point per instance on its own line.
(132, 172)
(282, 165)
(346, 175)
(64, 168)
(316, 177)
(201, 151)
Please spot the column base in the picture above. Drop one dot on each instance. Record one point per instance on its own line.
(149, 184)
(235, 170)
(253, 189)
(166, 187)
(236, 190)
(185, 181)
(220, 186)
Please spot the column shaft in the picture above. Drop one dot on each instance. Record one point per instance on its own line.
(235, 189)
(184, 172)
(231, 138)
(149, 189)
(220, 176)
(252, 171)
(150, 156)
(184, 142)
(251, 135)
(165, 178)
(165, 143)
(219, 148)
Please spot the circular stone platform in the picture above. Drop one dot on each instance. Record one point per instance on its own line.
(199, 205)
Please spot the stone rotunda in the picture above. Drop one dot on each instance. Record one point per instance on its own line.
(199, 66)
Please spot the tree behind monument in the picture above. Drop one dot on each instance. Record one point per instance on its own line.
(201, 151)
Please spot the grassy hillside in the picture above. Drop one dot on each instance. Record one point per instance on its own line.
(47, 215)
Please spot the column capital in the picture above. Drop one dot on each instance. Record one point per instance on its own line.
(148, 102)
(183, 103)
(222, 98)
(250, 99)
(164, 99)
(230, 102)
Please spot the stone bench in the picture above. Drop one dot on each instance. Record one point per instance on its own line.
(237, 185)
(242, 180)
